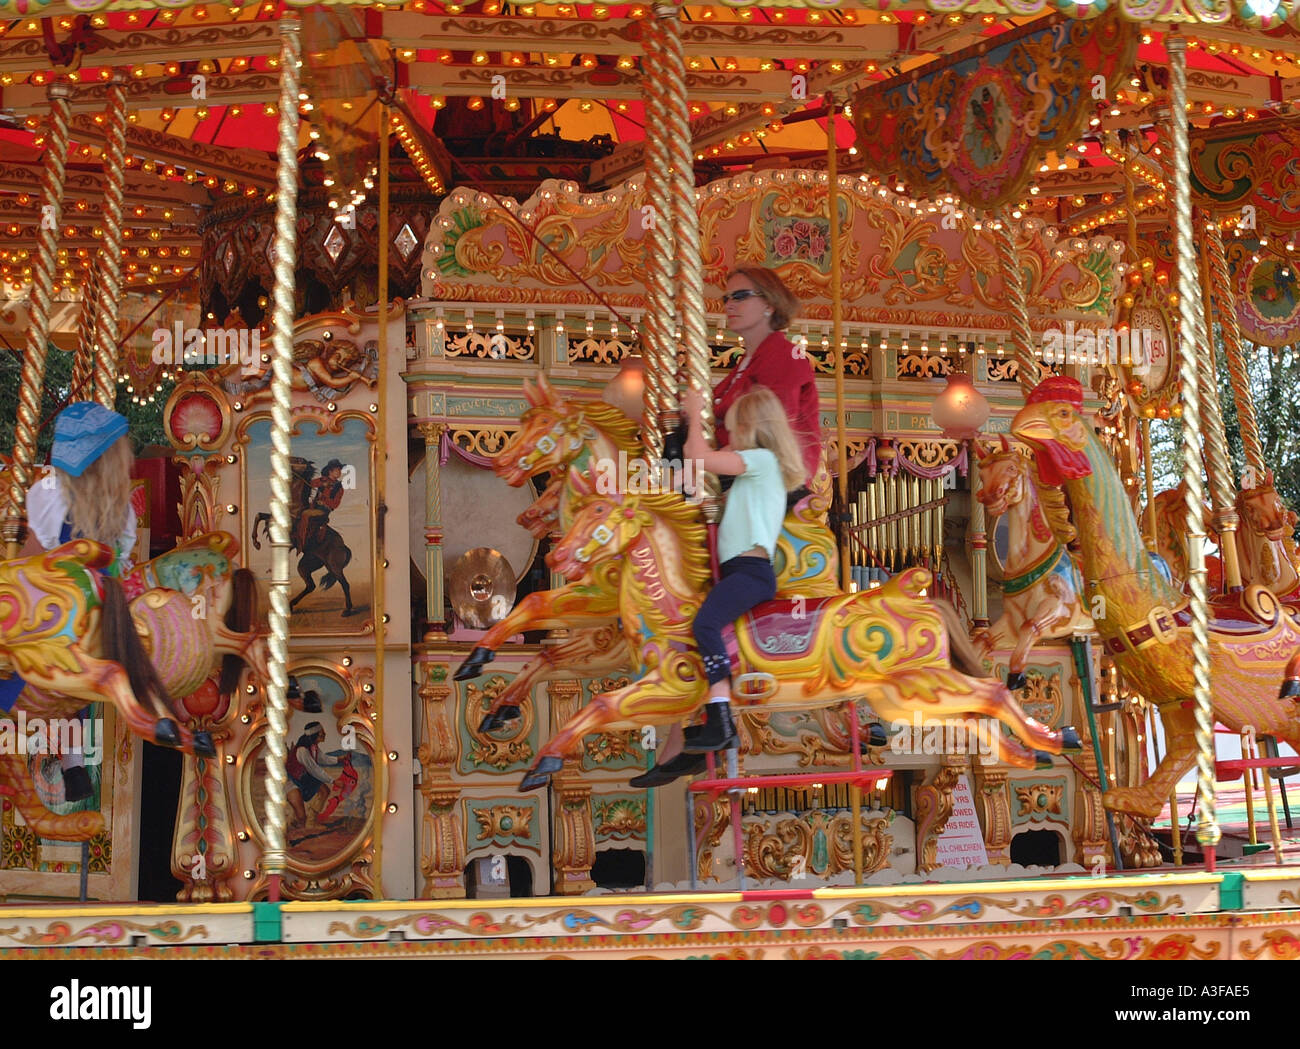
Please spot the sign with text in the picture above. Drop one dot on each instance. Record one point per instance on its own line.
(961, 844)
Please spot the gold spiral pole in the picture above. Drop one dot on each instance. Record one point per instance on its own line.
(275, 858)
(1218, 466)
(657, 324)
(1221, 285)
(110, 270)
(32, 382)
(1029, 373)
(1207, 829)
(686, 229)
(83, 360)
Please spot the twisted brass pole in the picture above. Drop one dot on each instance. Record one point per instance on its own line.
(660, 394)
(686, 226)
(1225, 302)
(83, 360)
(1218, 466)
(32, 381)
(110, 274)
(275, 858)
(1207, 828)
(1028, 371)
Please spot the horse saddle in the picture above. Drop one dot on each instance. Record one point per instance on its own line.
(780, 629)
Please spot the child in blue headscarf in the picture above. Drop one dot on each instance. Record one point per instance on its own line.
(86, 495)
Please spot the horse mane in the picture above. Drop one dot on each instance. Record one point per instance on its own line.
(612, 422)
(1051, 501)
(687, 521)
(1001, 455)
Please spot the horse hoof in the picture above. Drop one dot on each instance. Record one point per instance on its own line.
(1070, 739)
(166, 734)
(203, 745)
(473, 665)
(1290, 689)
(540, 774)
(1015, 682)
(1042, 760)
(498, 718)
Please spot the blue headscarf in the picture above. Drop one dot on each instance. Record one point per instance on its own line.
(82, 433)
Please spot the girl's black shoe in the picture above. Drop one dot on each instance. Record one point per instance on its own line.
(682, 765)
(717, 733)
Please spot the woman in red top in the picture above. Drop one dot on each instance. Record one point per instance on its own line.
(759, 308)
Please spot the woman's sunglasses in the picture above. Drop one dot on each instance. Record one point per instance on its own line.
(741, 295)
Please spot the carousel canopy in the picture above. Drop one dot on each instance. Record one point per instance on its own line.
(1056, 113)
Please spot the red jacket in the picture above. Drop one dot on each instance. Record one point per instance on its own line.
(775, 366)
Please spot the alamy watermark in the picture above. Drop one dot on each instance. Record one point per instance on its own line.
(931, 736)
(178, 346)
(636, 476)
(58, 736)
(1098, 347)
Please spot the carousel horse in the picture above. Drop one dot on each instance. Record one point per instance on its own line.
(70, 634)
(1266, 546)
(577, 442)
(888, 646)
(1041, 590)
(1143, 619)
(1171, 535)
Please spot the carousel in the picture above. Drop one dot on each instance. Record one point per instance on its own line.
(401, 302)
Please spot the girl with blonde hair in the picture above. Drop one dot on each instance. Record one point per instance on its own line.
(765, 459)
(86, 495)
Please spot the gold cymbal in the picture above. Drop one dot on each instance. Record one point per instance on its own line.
(481, 585)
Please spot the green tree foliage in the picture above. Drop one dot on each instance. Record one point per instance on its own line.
(145, 419)
(1275, 388)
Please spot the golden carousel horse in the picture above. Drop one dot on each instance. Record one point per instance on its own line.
(68, 631)
(584, 444)
(889, 647)
(1142, 618)
(1170, 519)
(1040, 590)
(1266, 545)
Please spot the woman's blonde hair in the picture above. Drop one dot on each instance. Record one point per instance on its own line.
(784, 303)
(756, 419)
(98, 500)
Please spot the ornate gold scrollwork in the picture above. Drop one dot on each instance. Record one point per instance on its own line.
(1044, 798)
(485, 749)
(504, 821)
(482, 440)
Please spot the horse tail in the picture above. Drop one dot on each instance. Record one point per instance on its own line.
(240, 618)
(329, 580)
(122, 645)
(961, 649)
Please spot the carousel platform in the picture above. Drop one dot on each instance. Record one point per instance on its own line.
(1247, 914)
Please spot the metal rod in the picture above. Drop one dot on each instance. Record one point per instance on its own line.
(837, 334)
(1081, 646)
(32, 380)
(110, 272)
(1217, 465)
(275, 858)
(379, 565)
(1207, 830)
